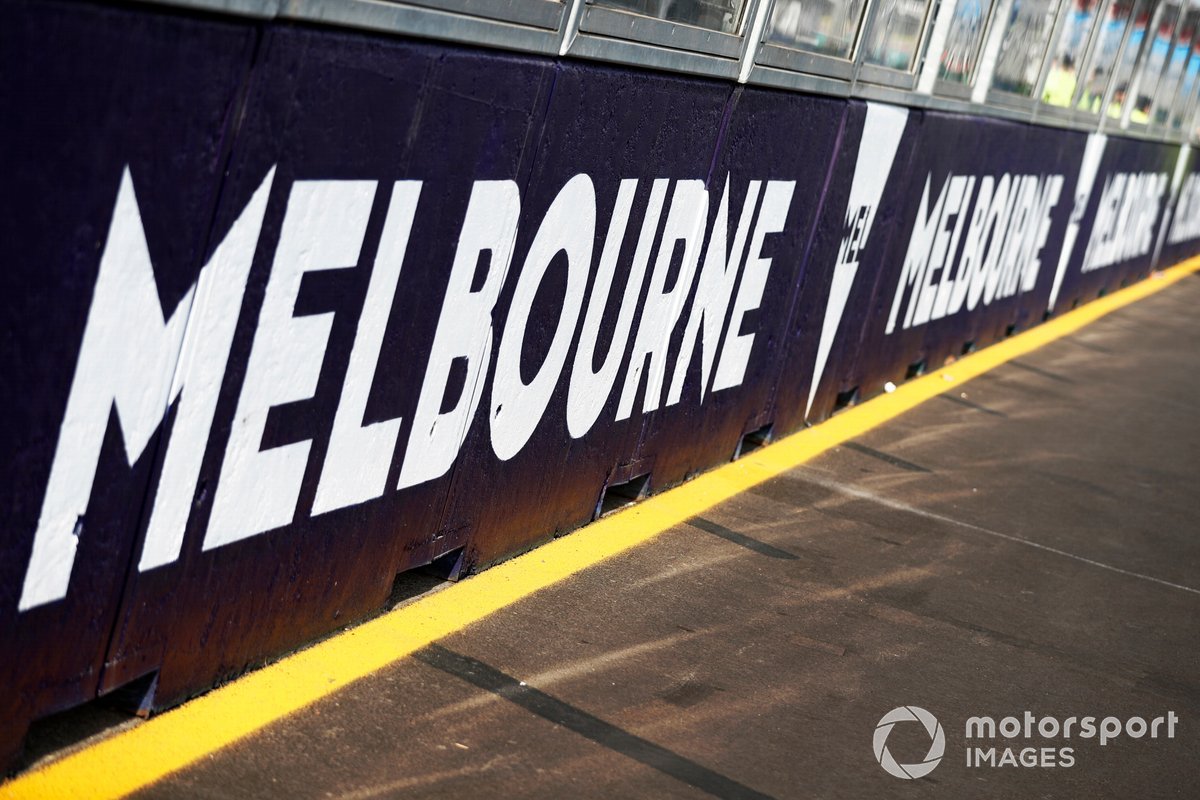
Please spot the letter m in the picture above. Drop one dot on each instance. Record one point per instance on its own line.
(137, 359)
(917, 257)
(980, 728)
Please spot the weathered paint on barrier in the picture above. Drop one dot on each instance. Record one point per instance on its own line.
(86, 93)
(963, 229)
(292, 310)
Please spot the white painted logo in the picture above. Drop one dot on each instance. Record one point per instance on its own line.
(1176, 206)
(137, 359)
(937, 745)
(1088, 167)
(876, 151)
(140, 359)
(1003, 224)
(1186, 224)
(1125, 218)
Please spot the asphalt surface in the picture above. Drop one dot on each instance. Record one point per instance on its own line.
(1029, 541)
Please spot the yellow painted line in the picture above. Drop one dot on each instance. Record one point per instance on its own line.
(144, 754)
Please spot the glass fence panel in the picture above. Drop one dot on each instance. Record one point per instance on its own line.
(717, 15)
(1026, 31)
(825, 27)
(1068, 52)
(960, 54)
(895, 35)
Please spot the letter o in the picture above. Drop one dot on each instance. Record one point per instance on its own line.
(569, 226)
(1000, 227)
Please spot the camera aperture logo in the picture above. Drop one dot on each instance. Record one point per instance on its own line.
(937, 746)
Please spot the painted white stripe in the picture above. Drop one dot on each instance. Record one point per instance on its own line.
(863, 494)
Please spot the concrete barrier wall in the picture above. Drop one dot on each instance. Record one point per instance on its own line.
(289, 311)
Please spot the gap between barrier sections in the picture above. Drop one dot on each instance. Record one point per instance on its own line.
(136, 758)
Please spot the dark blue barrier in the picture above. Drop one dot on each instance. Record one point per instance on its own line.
(859, 219)
(372, 148)
(355, 305)
(1181, 226)
(614, 135)
(97, 104)
(1122, 216)
(962, 252)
